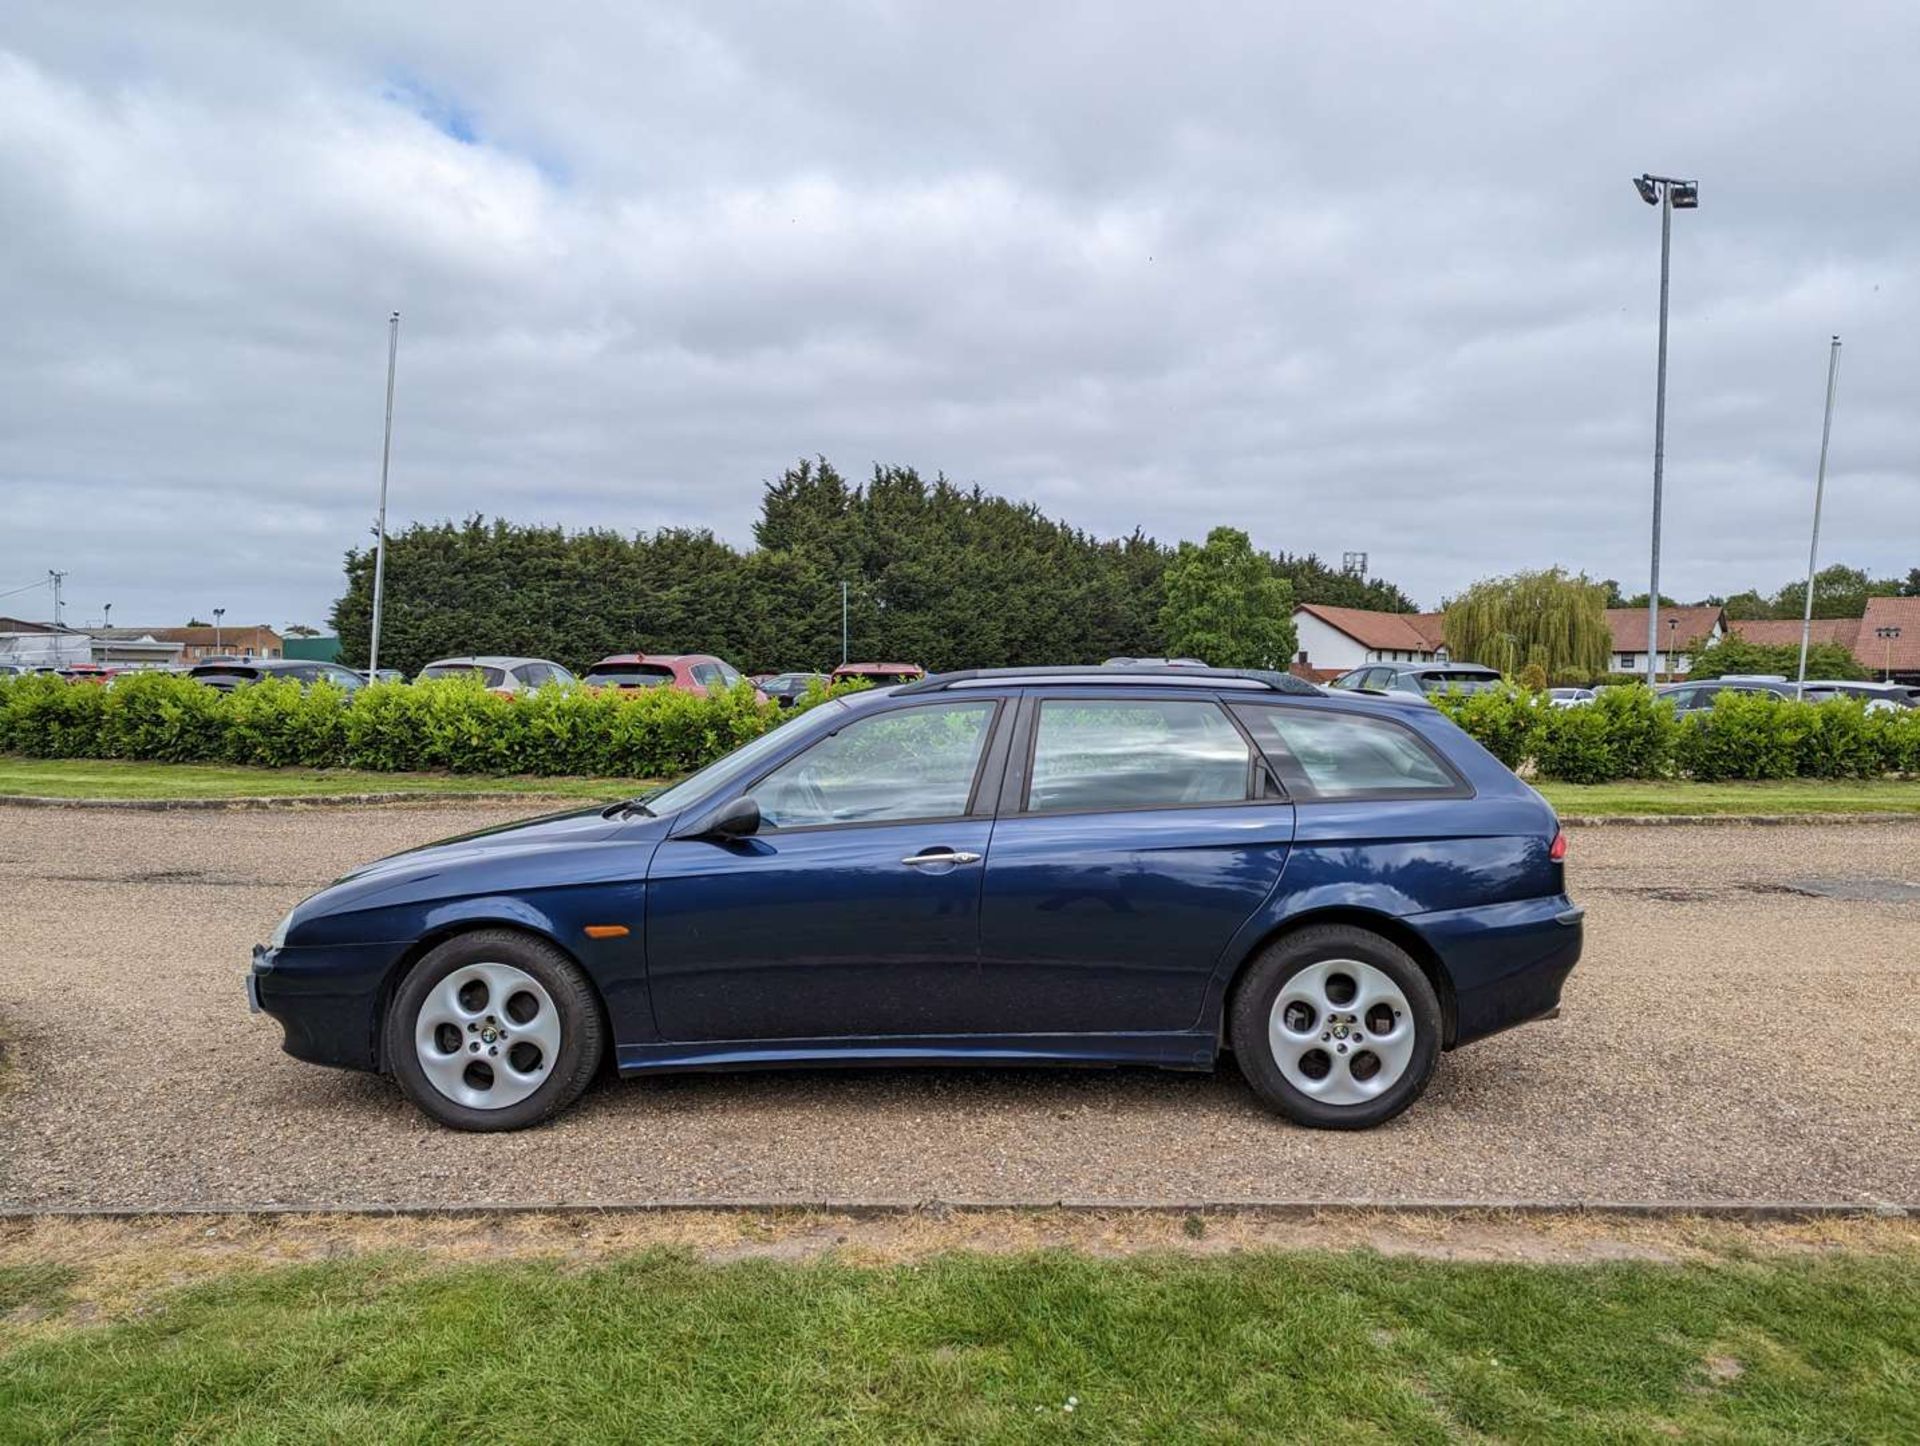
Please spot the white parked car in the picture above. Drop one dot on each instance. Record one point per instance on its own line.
(1879, 697)
(505, 676)
(1570, 697)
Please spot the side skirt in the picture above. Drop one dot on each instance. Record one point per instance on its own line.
(1176, 1049)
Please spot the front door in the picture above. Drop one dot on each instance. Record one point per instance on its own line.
(1146, 833)
(855, 911)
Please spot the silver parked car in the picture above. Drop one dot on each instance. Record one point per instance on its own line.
(1570, 697)
(506, 676)
(1424, 681)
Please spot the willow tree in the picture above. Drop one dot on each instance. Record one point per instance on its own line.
(1553, 619)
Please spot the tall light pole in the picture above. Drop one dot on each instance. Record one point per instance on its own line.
(59, 613)
(218, 613)
(1669, 195)
(1819, 494)
(106, 616)
(380, 525)
(1887, 635)
(843, 622)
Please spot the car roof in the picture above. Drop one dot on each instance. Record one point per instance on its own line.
(661, 658)
(879, 668)
(1250, 679)
(487, 660)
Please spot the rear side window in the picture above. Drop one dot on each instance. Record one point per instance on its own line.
(1345, 755)
(1101, 754)
(630, 675)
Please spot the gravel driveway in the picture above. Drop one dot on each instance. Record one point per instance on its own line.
(1744, 1027)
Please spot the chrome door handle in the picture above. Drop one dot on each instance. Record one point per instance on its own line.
(938, 858)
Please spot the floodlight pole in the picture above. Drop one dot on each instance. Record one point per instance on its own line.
(843, 622)
(1819, 494)
(1659, 441)
(1886, 635)
(380, 526)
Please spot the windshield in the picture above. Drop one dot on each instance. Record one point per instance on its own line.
(630, 675)
(1465, 682)
(743, 761)
(491, 677)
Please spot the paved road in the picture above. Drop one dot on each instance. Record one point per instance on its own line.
(1745, 1026)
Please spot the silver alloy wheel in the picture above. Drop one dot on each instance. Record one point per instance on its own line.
(1341, 1032)
(487, 1036)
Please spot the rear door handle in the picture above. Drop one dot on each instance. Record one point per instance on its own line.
(943, 857)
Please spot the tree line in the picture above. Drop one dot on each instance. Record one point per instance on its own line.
(936, 574)
(1839, 591)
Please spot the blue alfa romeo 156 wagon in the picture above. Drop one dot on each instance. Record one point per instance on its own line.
(1025, 866)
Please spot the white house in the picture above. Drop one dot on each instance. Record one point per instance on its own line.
(1683, 632)
(1333, 640)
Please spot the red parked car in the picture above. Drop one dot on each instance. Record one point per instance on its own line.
(689, 672)
(881, 675)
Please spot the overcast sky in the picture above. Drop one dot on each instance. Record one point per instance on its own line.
(1362, 277)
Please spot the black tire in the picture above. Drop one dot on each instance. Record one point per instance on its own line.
(583, 1031)
(1260, 987)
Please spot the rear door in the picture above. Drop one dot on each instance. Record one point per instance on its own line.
(1136, 835)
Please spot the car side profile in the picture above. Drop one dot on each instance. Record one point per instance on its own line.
(1418, 680)
(507, 676)
(227, 676)
(1077, 866)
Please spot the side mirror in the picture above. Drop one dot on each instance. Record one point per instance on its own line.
(738, 819)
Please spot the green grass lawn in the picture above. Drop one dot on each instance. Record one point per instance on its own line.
(1256, 1346)
(1802, 795)
(88, 778)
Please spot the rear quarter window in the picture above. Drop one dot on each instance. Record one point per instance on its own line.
(1337, 755)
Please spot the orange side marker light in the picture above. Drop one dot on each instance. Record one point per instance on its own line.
(607, 931)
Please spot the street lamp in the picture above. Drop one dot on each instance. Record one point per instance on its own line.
(218, 613)
(106, 616)
(1669, 195)
(1887, 635)
(1672, 624)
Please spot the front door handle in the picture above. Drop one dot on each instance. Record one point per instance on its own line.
(945, 856)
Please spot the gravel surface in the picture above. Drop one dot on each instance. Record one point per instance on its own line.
(1743, 1027)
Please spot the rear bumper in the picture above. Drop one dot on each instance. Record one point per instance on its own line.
(1507, 962)
(326, 1001)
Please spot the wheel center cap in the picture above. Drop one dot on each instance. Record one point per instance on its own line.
(489, 1035)
(1340, 1031)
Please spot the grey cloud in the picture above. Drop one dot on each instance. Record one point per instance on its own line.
(1371, 279)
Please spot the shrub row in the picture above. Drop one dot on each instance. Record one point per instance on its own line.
(1628, 733)
(453, 724)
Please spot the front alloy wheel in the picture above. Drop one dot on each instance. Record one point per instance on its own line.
(494, 1030)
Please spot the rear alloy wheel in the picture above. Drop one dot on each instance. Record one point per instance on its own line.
(1336, 1027)
(494, 1030)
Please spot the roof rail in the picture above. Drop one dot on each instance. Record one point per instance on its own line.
(1151, 676)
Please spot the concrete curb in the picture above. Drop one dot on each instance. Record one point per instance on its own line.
(281, 801)
(1730, 1210)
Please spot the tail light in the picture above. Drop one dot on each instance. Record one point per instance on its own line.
(1558, 850)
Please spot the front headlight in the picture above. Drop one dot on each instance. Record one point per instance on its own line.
(279, 940)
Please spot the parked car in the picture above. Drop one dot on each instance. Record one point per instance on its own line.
(381, 675)
(881, 675)
(1690, 697)
(1032, 866)
(1570, 697)
(786, 689)
(1879, 697)
(508, 677)
(227, 676)
(1418, 680)
(689, 672)
(14, 670)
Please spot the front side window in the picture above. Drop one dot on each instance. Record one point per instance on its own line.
(1102, 754)
(1344, 755)
(916, 763)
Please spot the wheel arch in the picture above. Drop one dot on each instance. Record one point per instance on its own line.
(1395, 930)
(433, 938)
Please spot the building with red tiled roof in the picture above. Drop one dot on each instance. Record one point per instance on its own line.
(1332, 640)
(1896, 655)
(1683, 632)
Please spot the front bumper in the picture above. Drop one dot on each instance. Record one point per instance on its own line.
(327, 1001)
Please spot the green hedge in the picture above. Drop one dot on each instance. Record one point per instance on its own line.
(452, 724)
(1628, 733)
